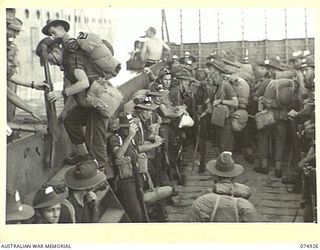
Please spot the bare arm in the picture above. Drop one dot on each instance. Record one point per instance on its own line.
(80, 85)
(120, 151)
(232, 103)
(19, 80)
(17, 101)
(147, 147)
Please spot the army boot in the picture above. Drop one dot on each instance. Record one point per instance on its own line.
(263, 168)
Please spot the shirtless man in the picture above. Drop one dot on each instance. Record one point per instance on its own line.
(152, 48)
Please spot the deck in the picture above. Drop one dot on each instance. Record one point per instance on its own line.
(270, 196)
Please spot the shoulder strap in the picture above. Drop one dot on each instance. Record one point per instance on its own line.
(215, 208)
(236, 209)
(120, 139)
(71, 210)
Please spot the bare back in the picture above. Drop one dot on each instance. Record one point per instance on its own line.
(153, 49)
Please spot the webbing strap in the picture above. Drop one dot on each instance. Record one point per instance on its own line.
(215, 208)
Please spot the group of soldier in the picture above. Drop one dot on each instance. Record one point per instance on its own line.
(135, 151)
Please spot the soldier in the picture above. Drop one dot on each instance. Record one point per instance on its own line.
(201, 97)
(80, 180)
(151, 51)
(307, 68)
(224, 101)
(175, 65)
(149, 133)
(81, 73)
(124, 146)
(52, 208)
(14, 26)
(228, 200)
(162, 157)
(243, 137)
(279, 98)
(269, 67)
(188, 84)
(188, 63)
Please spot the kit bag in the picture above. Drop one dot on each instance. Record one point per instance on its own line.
(219, 114)
(285, 92)
(288, 74)
(242, 89)
(236, 125)
(104, 97)
(100, 53)
(124, 166)
(264, 119)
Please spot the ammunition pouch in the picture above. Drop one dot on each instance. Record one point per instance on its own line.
(124, 166)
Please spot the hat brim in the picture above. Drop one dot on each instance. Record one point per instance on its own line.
(26, 213)
(190, 67)
(65, 24)
(145, 106)
(230, 63)
(48, 41)
(59, 199)
(76, 184)
(193, 59)
(236, 171)
(275, 67)
(223, 70)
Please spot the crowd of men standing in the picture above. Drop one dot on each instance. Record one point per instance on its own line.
(237, 106)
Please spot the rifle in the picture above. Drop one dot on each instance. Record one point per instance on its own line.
(196, 163)
(138, 181)
(53, 129)
(294, 157)
(140, 195)
(309, 191)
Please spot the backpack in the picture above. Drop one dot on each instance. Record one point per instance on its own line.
(246, 76)
(242, 89)
(100, 53)
(285, 92)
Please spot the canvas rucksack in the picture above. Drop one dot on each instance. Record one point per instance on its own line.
(100, 53)
(242, 89)
(285, 92)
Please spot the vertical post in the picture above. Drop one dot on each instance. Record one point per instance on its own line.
(218, 19)
(199, 44)
(286, 36)
(266, 49)
(74, 23)
(181, 40)
(306, 29)
(166, 26)
(162, 21)
(242, 36)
